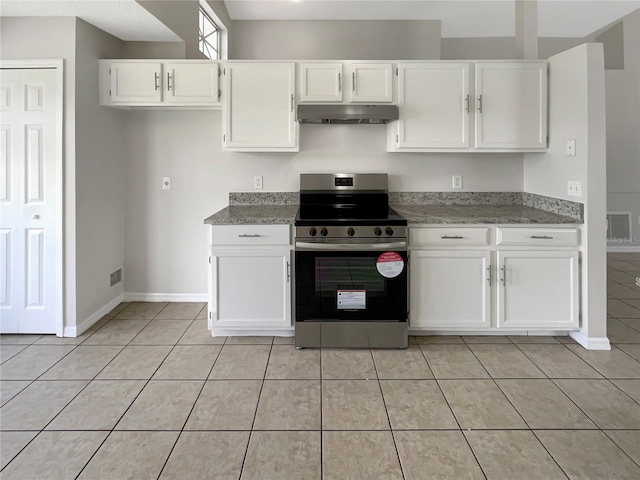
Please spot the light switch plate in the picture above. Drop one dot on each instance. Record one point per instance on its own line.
(574, 189)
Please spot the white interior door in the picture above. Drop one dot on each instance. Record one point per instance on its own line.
(28, 201)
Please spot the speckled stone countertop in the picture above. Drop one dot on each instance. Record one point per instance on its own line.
(461, 214)
(254, 214)
(271, 208)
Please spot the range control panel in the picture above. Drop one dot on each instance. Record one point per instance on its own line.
(359, 231)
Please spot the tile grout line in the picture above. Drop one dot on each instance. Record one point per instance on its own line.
(454, 415)
(135, 398)
(619, 447)
(194, 403)
(255, 414)
(386, 411)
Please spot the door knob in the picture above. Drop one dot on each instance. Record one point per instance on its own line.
(35, 216)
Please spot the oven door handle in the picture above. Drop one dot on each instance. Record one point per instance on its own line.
(317, 246)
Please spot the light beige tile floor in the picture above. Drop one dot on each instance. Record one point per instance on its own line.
(148, 393)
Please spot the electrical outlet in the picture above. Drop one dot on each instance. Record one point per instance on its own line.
(574, 189)
(166, 183)
(456, 182)
(257, 181)
(571, 147)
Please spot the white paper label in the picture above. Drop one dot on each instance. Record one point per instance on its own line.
(352, 299)
(390, 265)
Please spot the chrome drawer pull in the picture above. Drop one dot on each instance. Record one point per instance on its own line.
(541, 237)
(245, 235)
(452, 237)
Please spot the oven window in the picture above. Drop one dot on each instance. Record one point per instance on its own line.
(347, 273)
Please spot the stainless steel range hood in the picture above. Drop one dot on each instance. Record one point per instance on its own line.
(347, 114)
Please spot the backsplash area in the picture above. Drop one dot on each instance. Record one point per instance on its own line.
(547, 204)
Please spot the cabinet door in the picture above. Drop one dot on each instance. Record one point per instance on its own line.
(433, 100)
(450, 289)
(260, 106)
(250, 288)
(320, 82)
(195, 83)
(136, 82)
(511, 105)
(371, 82)
(538, 289)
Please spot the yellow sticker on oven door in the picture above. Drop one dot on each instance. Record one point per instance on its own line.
(390, 264)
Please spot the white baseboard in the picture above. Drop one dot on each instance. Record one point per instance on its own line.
(619, 249)
(257, 332)
(165, 297)
(591, 343)
(74, 331)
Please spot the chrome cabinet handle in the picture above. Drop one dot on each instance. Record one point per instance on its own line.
(246, 235)
(504, 275)
(490, 271)
(292, 102)
(480, 103)
(168, 82)
(452, 237)
(339, 81)
(353, 81)
(35, 216)
(156, 78)
(466, 103)
(541, 237)
(288, 272)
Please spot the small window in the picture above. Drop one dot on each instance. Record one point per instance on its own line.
(208, 36)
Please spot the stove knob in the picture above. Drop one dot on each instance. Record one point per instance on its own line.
(377, 231)
(313, 232)
(351, 232)
(388, 231)
(324, 232)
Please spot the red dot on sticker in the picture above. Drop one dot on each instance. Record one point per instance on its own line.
(389, 257)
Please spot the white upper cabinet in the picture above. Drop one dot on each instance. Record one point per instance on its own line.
(321, 82)
(443, 109)
(434, 102)
(259, 108)
(511, 105)
(148, 83)
(195, 83)
(371, 82)
(135, 82)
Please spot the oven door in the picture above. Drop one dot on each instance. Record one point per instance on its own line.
(351, 281)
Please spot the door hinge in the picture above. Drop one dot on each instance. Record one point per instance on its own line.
(219, 94)
(224, 138)
(224, 71)
(209, 260)
(396, 71)
(397, 141)
(219, 71)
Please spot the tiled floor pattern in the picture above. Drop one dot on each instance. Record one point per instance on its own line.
(148, 393)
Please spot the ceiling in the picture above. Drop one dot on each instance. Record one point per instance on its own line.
(128, 20)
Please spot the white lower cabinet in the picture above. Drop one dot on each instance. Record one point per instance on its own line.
(250, 288)
(510, 288)
(250, 279)
(538, 289)
(450, 289)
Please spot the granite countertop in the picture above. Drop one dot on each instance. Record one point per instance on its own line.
(461, 214)
(272, 208)
(254, 214)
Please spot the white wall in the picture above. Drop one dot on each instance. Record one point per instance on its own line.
(577, 111)
(623, 127)
(166, 241)
(24, 38)
(335, 39)
(99, 165)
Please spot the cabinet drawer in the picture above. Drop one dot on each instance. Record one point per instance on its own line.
(565, 237)
(237, 235)
(448, 236)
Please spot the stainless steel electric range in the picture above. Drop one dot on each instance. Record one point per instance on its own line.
(351, 264)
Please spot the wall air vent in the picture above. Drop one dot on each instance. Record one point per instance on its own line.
(116, 277)
(618, 227)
